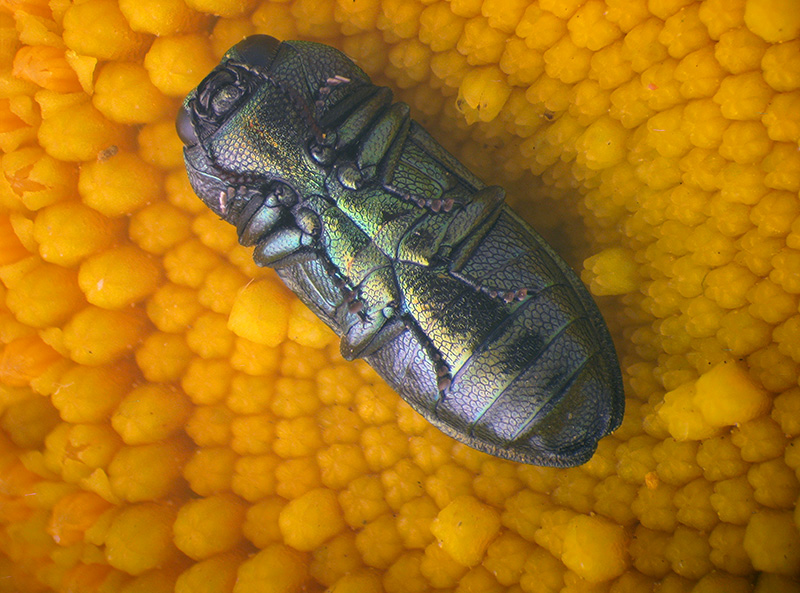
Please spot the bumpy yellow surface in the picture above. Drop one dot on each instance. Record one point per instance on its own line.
(173, 419)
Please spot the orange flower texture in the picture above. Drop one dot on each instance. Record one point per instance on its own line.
(173, 419)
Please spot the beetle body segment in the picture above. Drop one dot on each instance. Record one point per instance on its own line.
(418, 266)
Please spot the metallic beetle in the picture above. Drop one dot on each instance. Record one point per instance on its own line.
(420, 268)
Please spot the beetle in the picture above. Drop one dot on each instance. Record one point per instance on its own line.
(418, 266)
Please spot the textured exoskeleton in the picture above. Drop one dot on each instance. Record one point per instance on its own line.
(418, 266)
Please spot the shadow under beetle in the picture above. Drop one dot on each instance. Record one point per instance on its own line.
(420, 268)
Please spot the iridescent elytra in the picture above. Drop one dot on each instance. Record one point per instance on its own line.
(418, 266)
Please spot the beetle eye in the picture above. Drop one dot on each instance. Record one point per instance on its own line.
(185, 127)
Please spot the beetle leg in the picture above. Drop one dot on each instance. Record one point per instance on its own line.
(374, 304)
(349, 118)
(436, 235)
(283, 247)
(367, 336)
(382, 143)
(444, 377)
(260, 212)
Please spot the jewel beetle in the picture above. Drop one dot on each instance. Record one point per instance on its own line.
(418, 266)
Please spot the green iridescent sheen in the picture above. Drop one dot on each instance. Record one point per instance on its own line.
(420, 268)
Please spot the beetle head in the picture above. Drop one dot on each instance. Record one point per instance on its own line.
(253, 121)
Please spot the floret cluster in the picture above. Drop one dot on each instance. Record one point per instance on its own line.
(173, 419)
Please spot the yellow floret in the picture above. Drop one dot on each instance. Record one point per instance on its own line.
(402, 483)
(176, 64)
(414, 521)
(379, 542)
(158, 227)
(602, 144)
(79, 132)
(213, 574)
(733, 500)
(98, 28)
(727, 552)
(298, 437)
(383, 446)
(119, 184)
(277, 567)
(720, 458)
(98, 336)
(677, 461)
(440, 27)
(759, 439)
(73, 515)
(480, 42)
(276, 20)
(465, 528)
(172, 308)
(727, 396)
(210, 470)
(362, 500)
(150, 413)
(694, 507)
(786, 411)
(688, 553)
(774, 484)
(47, 67)
(117, 278)
(37, 178)
(209, 526)
(252, 435)
(124, 94)
(140, 538)
(613, 271)
(664, 131)
(254, 476)
(655, 507)
(159, 144)
(209, 336)
(779, 65)
(67, 232)
(261, 521)
(163, 357)
(339, 424)
(681, 413)
(247, 394)
(356, 16)
(310, 520)
(482, 94)
(773, 543)
(375, 405)
(305, 328)
(498, 481)
(162, 18)
(88, 394)
(358, 582)
(260, 313)
(773, 20)
(595, 548)
(45, 295)
(210, 425)
(340, 464)
(409, 62)
(147, 472)
(294, 398)
(337, 557)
